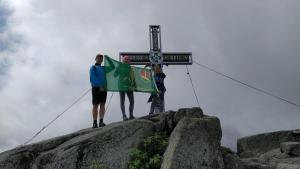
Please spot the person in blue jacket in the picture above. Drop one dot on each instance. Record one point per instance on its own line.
(99, 93)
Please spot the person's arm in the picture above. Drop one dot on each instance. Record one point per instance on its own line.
(104, 87)
(163, 75)
(92, 75)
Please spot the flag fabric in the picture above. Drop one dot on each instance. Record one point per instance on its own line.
(123, 77)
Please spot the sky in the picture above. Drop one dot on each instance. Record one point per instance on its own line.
(47, 48)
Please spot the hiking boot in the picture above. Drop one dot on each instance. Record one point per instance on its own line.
(131, 117)
(95, 125)
(102, 124)
(125, 118)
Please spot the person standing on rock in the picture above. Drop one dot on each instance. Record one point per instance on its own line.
(99, 93)
(158, 101)
(128, 80)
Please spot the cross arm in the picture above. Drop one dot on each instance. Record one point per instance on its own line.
(169, 58)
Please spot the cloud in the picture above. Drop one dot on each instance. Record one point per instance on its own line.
(4, 14)
(7, 38)
(54, 43)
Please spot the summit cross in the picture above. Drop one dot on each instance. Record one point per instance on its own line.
(155, 55)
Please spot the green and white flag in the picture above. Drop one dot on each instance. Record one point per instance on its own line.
(123, 77)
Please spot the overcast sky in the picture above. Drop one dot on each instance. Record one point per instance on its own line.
(47, 48)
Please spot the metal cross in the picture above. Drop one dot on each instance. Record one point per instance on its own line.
(155, 55)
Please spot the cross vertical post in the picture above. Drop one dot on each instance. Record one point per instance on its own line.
(155, 54)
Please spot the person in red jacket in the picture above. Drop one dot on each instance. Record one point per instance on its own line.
(129, 95)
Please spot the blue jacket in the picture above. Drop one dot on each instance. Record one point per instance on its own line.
(159, 81)
(97, 76)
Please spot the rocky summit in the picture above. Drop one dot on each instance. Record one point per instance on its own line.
(193, 143)
(275, 150)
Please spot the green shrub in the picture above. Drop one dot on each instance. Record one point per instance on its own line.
(155, 161)
(97, 165)
(149, 155)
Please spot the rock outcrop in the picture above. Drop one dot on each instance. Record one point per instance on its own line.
(109, 146)
(275, 150)
(255, 145)
(290, 148)
(194, 143)
(231, 159)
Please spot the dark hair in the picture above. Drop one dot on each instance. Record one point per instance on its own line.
(156, 64)
(99, 55)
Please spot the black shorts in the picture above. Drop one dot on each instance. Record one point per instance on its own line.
(98, 96)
